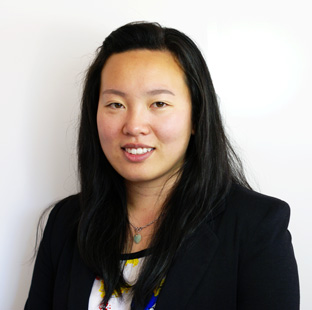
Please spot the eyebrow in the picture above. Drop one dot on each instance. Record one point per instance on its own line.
(150, 92)
(114, 92)
(160, 91)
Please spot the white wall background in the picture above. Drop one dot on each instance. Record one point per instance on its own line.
(259, 55)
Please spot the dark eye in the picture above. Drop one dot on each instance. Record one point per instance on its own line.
(116, 105)
(159, 104)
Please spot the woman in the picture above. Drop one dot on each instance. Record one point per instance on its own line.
(165, 217)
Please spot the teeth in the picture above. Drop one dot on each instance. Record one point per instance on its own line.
(138, 151)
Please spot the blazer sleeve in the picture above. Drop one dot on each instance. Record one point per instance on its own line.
(56, 232)
(40, 293)
(268, 275)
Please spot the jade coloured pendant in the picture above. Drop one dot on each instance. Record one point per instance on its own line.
(137, 238)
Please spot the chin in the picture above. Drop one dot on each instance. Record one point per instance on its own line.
(136, 179)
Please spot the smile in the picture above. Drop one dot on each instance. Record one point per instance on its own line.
(138, 151)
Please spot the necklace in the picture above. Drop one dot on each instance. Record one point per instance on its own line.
(137, 236)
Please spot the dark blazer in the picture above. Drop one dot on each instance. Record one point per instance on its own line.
(242, 258)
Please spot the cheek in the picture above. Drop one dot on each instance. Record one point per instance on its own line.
(176, 129)
(107, 131)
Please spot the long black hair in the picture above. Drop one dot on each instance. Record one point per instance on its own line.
(210, 167)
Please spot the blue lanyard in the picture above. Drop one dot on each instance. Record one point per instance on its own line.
(150, 306)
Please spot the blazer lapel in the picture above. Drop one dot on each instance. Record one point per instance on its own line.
(81, 282)
(192, 261)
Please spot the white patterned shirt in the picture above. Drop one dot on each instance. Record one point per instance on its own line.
(133, 263)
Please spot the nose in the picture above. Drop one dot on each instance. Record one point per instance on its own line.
(136, 123)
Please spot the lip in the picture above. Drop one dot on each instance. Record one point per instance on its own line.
(135, 146)
(136, 158)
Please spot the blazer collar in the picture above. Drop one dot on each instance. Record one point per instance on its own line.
(184, 275)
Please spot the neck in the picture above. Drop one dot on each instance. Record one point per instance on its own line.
(145, 202)
(143, 198)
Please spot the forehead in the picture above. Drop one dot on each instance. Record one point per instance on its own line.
(143, 65)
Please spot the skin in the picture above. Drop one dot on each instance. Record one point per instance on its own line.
(145, 104)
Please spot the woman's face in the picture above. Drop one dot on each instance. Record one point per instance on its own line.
(144, 115)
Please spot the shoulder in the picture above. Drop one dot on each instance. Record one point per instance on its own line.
(66, 210)
(254, 206)
(62, 224)
(251, 217)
